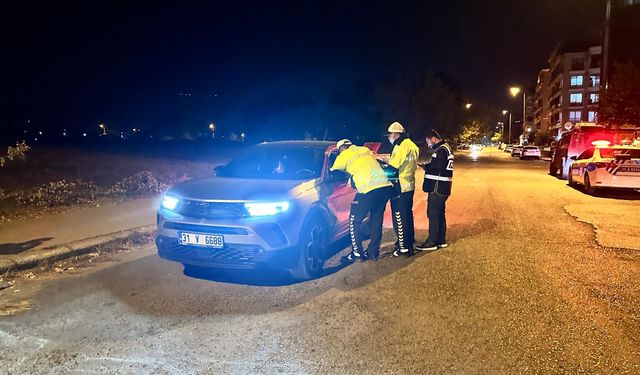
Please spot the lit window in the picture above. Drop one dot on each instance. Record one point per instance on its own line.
(575, 98)
(576, 81)
(594, 98)
(575, 116)
(595, 81)
(592, 116)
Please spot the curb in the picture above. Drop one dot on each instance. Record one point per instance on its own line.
(70, 249)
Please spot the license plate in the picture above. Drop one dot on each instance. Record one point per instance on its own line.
(630, 169)
(200, 239)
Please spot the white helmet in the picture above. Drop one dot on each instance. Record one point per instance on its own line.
(396, 127)
(343, 142)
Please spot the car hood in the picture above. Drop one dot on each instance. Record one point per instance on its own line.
(225, 188)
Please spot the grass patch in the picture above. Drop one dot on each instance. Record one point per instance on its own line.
(55, 177)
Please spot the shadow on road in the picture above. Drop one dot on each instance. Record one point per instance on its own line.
(17, 248)
(616, 194)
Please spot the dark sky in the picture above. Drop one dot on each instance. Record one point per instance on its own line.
(74, 65)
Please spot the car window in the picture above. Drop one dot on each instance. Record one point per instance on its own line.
(277, 162)
(531, 147)
(610, 153)
(336, 176)
(587, 154)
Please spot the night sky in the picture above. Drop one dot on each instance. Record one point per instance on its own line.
(75, 65)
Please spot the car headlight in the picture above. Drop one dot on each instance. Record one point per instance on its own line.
(169, 202)
(266, 208)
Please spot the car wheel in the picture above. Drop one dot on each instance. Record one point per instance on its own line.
(313, 242)
(570, 181)
(588, 188)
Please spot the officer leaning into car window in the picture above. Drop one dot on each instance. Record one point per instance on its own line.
(437, 184)
(373, 193)
(402, 167)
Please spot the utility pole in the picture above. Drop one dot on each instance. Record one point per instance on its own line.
(605, 48)
(509, 141)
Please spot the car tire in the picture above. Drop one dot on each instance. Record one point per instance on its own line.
(314, 239)
(588, 188)
(570, 181)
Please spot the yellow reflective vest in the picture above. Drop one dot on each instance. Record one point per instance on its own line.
(404, 158)
(366, 172)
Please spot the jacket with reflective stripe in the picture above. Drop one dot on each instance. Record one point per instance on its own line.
(438, 174)
(404, 158)
(366, 172)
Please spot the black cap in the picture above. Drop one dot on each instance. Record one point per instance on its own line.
(433, 133)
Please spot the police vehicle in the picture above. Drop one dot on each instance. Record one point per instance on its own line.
(604, 165)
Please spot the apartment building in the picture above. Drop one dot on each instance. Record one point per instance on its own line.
(541, 103)
(574, 85)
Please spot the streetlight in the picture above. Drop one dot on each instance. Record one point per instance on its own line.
(212, 127)
(103, 129)
(504, 112)
(468, 105)
(514, 92)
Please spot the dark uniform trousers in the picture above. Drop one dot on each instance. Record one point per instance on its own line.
(374, 204)
(437, 218)
(402, 215)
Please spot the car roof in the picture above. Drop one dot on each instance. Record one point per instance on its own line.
(300, 143)
(619, 147)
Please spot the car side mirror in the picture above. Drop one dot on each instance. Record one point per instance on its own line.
(574, 158)
(219, 170)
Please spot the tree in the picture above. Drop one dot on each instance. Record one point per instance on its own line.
(471, 132)
(18, 152)
(496, 137)
(428, 103)
(542, 138)
(620, 103)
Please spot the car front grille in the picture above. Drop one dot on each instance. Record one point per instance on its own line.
(209, 229)
(211, 210)
(231, 254)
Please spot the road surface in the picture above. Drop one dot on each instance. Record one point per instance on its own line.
(525, 287)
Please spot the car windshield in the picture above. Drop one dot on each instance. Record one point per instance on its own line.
(531, 148)
(276, 162)
(610, 153)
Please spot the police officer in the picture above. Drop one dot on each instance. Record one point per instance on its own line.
(437, 184)
(402, 165)
(373, 193)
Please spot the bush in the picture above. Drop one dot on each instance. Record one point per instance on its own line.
(140, 183)
(13, 153)
(59, 193)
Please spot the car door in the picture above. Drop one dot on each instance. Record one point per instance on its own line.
(340, 195)
(580, 165)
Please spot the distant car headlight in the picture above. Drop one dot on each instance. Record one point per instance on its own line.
(266, 208)
(169, 202)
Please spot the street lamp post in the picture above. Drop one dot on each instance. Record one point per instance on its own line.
(514, 92)
(212, 127)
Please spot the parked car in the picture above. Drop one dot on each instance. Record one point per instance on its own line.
(276, 204)
(603, 165)
(532, 152)
(516, 151)
(475, 147)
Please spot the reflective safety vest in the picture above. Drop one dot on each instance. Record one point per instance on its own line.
(404, 158)
(438, 173)
(366, 172)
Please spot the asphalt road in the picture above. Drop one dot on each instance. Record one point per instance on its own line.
(525, 287)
